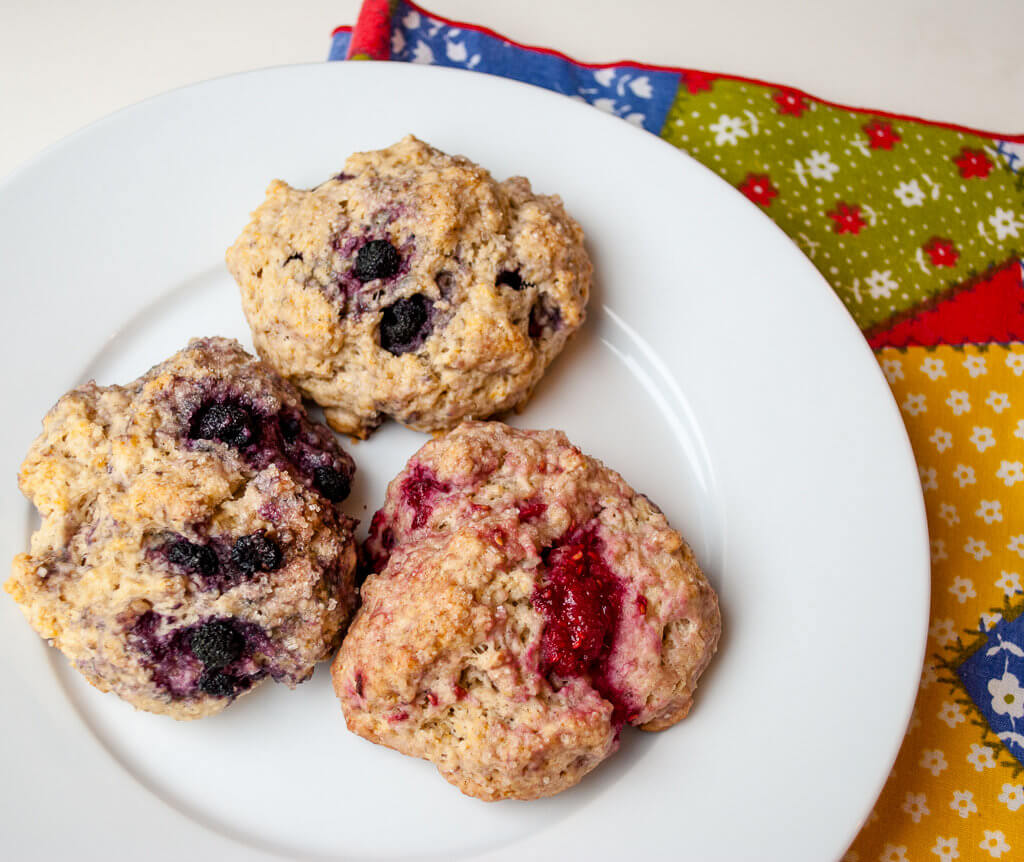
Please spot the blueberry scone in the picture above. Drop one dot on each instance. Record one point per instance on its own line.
(191, 544)
(526, 604)
(411, 285)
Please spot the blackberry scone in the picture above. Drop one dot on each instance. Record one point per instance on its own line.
(191, 544)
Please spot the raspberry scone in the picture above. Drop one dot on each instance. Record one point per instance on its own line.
(526, 604)
(411, 285)
(191, 544)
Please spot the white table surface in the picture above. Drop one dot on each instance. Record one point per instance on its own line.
(65, 63)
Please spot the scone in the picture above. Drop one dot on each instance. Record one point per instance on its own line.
(411, 285)
(527, 603)
(190, 544)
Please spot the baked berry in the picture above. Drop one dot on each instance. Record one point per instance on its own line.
(195, 559)
(228, 422)
(331, 483)
(217, 684)
(256, 553)
(377, 259)
(509, 278)
(403, 324)
(216, 643)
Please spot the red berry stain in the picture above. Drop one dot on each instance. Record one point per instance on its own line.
(359, 683)
(641, 604)
(418, 492)
(581, 600)
(532, 508)
(401, 715)
(379, 542)
(432, 698)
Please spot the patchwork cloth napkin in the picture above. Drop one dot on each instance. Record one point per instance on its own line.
(919, 229)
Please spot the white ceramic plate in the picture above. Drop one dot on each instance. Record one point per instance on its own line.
(717, 372)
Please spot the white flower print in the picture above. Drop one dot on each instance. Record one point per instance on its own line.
(989, 620)
(990, 510)
(641, 87)
(933, 760)
(1016, 544)
(892, 369)
(1019, 431)
(456, 52)
(1011, 472)
(1005, 223)
(994, 842)
(963, 589)
(1015, 362)
(942, 439)
(821, 166)
(998, 401)
(964, 475)
(959, 401)
(411, 21)
(929, 478)
(422, 53)
(975, 365)
(893, 853)
(397, 42)
(948, 513)
(943, 631)
(916, 806)
(981, 757)
(928, 676)
(982, 438)
(945, 849)
(952, 714)
(880, 284)
(933, 367)
(963, 803)
(977, 548)
(939, 551)
(914, 404)
(910, 193)
(1009, 583)
(1007, 695)
(729, 130)
(1012, 796)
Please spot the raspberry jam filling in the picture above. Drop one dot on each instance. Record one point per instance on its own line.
(581, 601)
(419, 491)
(215, 657)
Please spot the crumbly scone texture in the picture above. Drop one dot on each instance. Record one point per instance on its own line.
(484, 283)
(188, 546)
(526, 604)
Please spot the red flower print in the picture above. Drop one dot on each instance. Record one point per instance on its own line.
(847, 218)
(697, 81)
(790, 102)
(759, 188)
(880, 135)
(972, 163)
(941, 251)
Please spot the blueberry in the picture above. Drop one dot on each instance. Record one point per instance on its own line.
(216, 643)
(377, 259)
(256, 553)
(290, 428)
(510, 278)
(403, 324)
(230, 423)
(217, 684)
(333, 484)
(194, 558)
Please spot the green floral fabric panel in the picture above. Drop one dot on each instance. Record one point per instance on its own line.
(891, 212)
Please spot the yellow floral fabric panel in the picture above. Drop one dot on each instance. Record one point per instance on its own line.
(957, 788)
